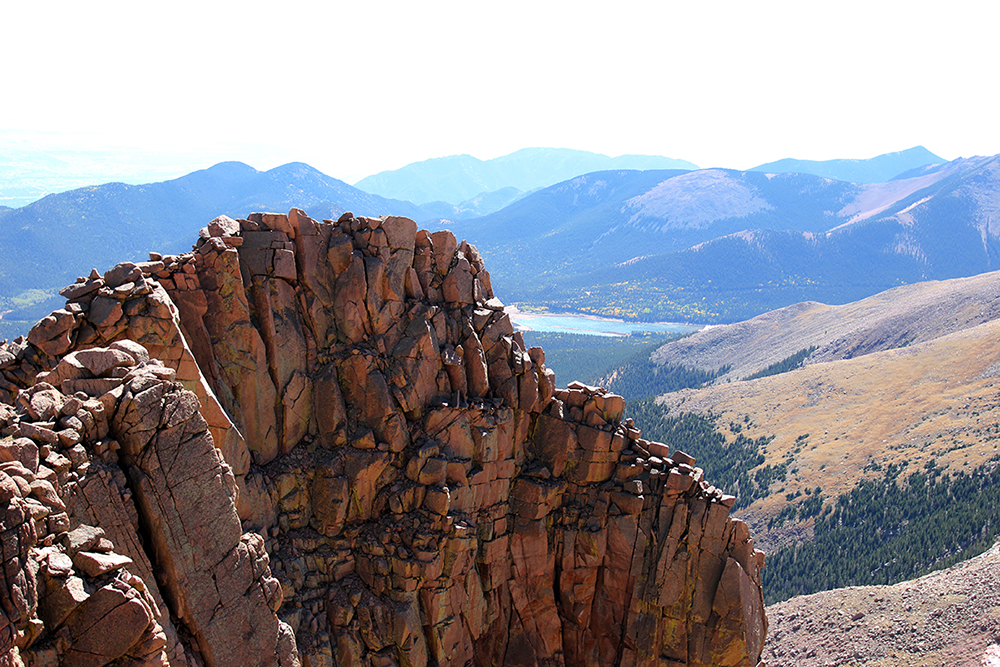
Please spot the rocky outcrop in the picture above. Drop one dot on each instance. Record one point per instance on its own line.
(116, 501)
(329, 446)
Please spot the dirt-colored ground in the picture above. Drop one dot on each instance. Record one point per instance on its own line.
(935, 401)
(945, 619)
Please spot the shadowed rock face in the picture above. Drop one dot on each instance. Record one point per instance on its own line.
(330, 447)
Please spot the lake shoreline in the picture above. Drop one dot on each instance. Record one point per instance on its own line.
(591, 325)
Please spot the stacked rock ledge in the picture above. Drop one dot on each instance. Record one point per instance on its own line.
(323, 443)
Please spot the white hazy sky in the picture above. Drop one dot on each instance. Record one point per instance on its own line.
(358, 87)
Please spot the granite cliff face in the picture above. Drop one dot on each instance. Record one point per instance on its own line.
(317, 444)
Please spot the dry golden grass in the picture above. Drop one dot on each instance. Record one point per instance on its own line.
(895, 318)
(935, 401)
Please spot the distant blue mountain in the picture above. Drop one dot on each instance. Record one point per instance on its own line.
(32, 165)
(459, 178)
(720, 245)
(873, 170)
(48, 243)
(708, 245)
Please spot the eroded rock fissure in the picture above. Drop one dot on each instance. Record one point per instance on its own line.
(415, 488)
(144, 532)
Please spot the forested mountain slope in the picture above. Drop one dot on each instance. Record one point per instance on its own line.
(945, 618)
(859, 471)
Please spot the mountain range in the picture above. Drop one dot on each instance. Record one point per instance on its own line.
(31, 167)
(65, 234)
(879, 169)
(460, 178)
(860, 439)
(720, 245)
(705, 246)
(61, 236)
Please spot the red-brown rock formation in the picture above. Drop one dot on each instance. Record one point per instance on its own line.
(330, 447)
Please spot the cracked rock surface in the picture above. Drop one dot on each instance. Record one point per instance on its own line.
(323, 443)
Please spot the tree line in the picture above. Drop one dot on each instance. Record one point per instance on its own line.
(735, 467)
(888, 530)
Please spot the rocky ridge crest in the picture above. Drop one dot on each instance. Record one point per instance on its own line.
(323, 443)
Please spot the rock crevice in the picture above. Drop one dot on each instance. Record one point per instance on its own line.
(341, 452)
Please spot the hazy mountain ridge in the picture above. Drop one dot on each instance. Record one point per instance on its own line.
(34, 164)
(705, 246)
(460, 178)
(878, 169)
(696, 199)
(817, 239)
(441, 212)
(559, 229)
(61, 236)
